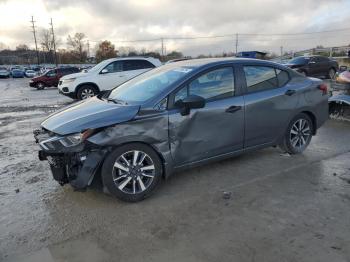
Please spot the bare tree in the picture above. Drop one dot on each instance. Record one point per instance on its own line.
(46, 40)
(77, 43)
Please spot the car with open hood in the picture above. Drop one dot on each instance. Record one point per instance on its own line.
(177, 116)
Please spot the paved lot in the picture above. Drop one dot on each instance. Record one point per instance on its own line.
(281, 208)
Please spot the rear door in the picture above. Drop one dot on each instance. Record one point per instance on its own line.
(213, 130)
(270, 101)
(134, 67)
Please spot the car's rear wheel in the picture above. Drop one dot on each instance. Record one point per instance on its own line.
(132, 172)
(298, 134)
(331, 73)
(86, 91)
(40, 85)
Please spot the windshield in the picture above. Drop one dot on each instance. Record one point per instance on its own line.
(96, 67)
(299, 60)
(149, 84)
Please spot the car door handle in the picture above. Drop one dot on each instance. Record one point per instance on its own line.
(290, 92)
(233, 109)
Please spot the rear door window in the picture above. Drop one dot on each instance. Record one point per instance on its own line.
(260, 78)
(282, 77)
(136, 65)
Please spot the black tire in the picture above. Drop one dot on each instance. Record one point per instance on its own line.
(331, 73)
(86, 91)
(40, 85)
(113, 177)
(304, 137)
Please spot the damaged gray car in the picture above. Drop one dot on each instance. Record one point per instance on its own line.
(178, 116)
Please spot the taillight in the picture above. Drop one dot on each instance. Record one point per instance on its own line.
(323, 87)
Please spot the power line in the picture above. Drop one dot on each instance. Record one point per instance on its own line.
(229, 35)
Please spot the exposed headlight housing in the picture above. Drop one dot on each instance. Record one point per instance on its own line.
(76, 139)
(67, 141)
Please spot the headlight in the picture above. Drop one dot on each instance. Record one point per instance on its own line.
(69, 80)
(76, 139)
(71, 140)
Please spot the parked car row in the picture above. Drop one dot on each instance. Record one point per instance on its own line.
(17, 72)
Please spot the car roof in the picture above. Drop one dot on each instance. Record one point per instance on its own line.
(203, 62)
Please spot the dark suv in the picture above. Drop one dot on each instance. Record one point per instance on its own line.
(51, 77)
(318, 66)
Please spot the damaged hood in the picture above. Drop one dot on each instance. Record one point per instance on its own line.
(91, 113)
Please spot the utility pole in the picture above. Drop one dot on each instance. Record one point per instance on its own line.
(54, 42)
(236, 44)
(36, 44)
(281, 52)
(88, 47)
(162, 42)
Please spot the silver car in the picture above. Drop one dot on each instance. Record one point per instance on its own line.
(4, 73)
(177, 116)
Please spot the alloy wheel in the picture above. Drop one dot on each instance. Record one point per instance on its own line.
(87, 93)
(300, 133)
(133, 172)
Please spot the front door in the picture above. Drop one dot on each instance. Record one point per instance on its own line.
(213, 130)
(111, 76)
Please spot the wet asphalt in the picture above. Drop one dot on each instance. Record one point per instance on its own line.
(260, 206)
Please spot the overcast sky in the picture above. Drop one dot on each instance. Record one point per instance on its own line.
(116, 21)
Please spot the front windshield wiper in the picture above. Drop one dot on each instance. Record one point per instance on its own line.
(116, 101)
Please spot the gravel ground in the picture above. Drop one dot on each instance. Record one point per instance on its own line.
(261, 206)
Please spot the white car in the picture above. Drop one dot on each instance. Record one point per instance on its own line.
(30, 73)
(4, 72)
(106, 75)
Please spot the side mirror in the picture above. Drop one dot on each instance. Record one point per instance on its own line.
(104, 71)
(190, 102)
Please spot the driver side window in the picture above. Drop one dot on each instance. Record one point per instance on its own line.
(114, 67)
(213, 85)
(51, 73)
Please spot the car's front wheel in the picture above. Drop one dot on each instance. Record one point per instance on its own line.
(132, 172)
(298, 134)
(86, 91)
(40, 85)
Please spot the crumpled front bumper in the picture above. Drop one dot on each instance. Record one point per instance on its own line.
(76, 166)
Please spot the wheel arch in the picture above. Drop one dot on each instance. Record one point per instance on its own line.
(313, 120)
(87, 84)
(165, 171)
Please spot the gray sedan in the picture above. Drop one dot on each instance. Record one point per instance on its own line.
(177, 116)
